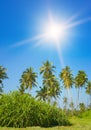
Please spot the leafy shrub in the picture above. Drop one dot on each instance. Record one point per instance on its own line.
(18, 110)
(86, 114)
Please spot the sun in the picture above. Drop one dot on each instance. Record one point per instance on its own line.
(54, 31)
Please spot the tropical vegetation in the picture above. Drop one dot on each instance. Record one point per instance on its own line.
(23, 109)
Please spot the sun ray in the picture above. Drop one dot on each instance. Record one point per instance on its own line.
(40, 42)
(60, 54)
(27, 41)
(76, 23)
(71, 18)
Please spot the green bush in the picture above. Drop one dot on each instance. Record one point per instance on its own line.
(18, 110)
(86, 114)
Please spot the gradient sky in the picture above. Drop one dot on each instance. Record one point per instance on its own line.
(23, 19)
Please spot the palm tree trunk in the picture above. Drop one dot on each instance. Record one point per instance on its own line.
(77, 102)
(68, 98)
(90, 100)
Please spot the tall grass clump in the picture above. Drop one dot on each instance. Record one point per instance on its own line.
(18, 110)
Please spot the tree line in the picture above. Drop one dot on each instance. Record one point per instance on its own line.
(51, 88)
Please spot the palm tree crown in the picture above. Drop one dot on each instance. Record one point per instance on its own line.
(80, 79)
(28, 78)
(67, 77)
(42, 94)
(88, 88)
(46, 69)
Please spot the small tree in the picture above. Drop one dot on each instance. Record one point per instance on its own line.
(71, 105)
(82, 107)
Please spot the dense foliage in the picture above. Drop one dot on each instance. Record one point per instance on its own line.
(18, 110)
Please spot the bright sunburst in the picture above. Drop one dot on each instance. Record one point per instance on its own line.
(54, 32)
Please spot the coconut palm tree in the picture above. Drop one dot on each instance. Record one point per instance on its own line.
(42, 94)
(80, 81)
(66, 77)
(65, 102)
(51, 89)
(50, 82)
(3, 76)
(88, 90)
(54, 89)
(28, 79)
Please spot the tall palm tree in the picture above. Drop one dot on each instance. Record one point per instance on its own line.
(28, 79)
(3, 76)
(50, 83)
(80, 81)
(88, 90)
(66, 77)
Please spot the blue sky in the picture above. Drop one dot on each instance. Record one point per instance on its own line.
(23, 19)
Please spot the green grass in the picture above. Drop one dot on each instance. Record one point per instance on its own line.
(78, 124)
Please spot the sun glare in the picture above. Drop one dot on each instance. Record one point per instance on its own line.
(54, 31)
